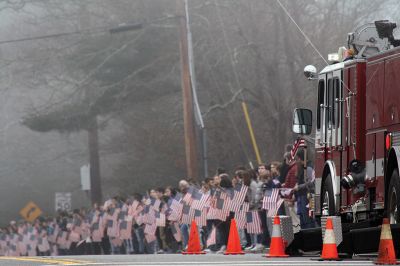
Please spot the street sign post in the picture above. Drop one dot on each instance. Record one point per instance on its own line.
(30, 212)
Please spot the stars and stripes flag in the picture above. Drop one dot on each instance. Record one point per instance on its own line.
(274, 211)
(272, 201)
(121, 216)
(226, 197)
(125, 229)
(222, 208)
(240, 216)
(200, 200)
(212, 238)
(155, 204)
(175, 212)
(150, 229)
(133, 208)
(97, 233)
(176, 231)
(239, 194)
(187, 214)
(200, 217)
(61, 239)
(136, 212)
(212, 213)
(187, 198)
(22, 247)
(297, 144)
(112, 223)
(253, 222)
(150, 238)
(160, 219)
(149, 216)
(175, 208)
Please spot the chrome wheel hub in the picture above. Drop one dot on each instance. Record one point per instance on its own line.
(393, 211)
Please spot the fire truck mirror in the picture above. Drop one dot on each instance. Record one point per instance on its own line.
(302, 121)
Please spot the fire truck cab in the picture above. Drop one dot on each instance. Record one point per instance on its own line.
(357, 137)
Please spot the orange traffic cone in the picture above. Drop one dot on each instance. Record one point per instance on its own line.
(277, 247)
(194, 241)
(329, 249)
(233, 247)
(386, 253)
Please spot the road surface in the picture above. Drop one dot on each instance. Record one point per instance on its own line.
(181, 260)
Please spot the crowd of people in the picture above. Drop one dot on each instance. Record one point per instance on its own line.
(159, 221)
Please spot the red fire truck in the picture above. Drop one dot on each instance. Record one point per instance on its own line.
(357, 139)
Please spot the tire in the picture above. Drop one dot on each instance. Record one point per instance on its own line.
(327, 195)
(394, 198)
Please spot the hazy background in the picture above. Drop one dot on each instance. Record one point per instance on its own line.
(131, 82)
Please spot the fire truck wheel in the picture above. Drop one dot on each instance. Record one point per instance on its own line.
(327, 198)
(394, 198)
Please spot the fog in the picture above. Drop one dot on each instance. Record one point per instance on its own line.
(61, 69)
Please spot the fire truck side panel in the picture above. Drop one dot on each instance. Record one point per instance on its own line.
(348, 82)
(375, 74)
(350, 113)
(391, 92)
(360, 112)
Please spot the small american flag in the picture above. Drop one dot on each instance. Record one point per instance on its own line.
(199, 200)
(239, 195)
(176, 231)
(121, 215)
(133, 207)
(187, 214)
(112, 225)
(200, 217)
(62, 238)
(149, 216)
(212, 213)
(187, 198)
(125, 229)
(273, 212)
(96, 232)
(212, 238)
(240, 216)
(155, 204)
(297, 144)
(160, 219)
(272, 201)
(175, 210)
(150, 229)
(253, 222)
(222, 208)
(150, 238)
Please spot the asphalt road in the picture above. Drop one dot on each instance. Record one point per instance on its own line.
(180, 260)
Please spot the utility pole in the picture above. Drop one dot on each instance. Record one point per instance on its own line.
(94, 159)
(188, 113)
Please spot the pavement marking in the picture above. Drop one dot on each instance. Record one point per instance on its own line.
(47, 260)
(272, 263)
(241, 263)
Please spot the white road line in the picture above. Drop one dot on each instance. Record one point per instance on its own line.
(232, 263)
(241, 263)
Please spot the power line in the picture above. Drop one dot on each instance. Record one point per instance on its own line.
(122, 27)
(56, 35)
